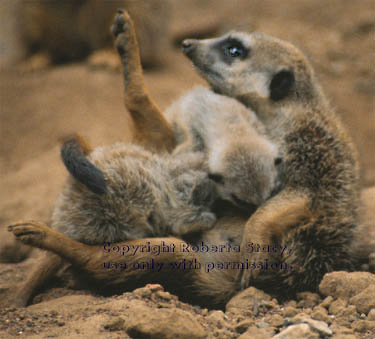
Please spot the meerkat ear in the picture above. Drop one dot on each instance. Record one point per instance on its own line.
(281, 85)
(81, 169)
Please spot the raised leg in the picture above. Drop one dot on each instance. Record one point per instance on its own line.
(151, 128)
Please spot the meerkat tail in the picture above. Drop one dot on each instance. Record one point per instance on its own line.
(73, 154)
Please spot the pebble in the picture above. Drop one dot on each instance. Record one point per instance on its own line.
(290, 311)
(337, 306)
(327, 302)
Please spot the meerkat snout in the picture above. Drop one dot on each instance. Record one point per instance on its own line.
(188, 46)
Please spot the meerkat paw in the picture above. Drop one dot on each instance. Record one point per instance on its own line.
(204, 222)
(207, 221)
(121, 23)
(29, 232)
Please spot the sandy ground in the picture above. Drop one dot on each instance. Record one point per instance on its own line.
(38, 109)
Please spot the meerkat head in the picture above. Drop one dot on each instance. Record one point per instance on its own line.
(246, 175)
(253, 67)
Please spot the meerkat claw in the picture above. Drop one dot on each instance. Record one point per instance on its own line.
(29, 232)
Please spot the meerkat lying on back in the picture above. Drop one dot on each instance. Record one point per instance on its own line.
(240, 159)
(123, 192)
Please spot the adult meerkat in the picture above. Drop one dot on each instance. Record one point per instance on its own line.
(240, 159)
(275, 79)
(314, 214)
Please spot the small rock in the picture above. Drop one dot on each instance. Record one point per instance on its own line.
(345, 285)
(327, 302)
(291, 303)
(338, 306)
(363, 325)
(277, 320)
(164, 295)
(262, 324)
(317, 326)
(115, 324)
(255, 333)
(290, 311)
(371, 315)
(143, 292)
(244, 300)
(365, 300)
(155, 287)
(216, 318)
(351, 310)
(297, 332)
(352, 318)
(320, 313)
(204, 311)
(308, 299)
(242, 326)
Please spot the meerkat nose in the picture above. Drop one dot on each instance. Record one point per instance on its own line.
(188, 46)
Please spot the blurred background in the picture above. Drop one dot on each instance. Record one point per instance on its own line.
(59, 75)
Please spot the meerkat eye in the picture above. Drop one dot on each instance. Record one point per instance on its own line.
(235, 51)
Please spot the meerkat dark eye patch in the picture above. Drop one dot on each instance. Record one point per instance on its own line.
(218, 178)
(281, 85)
(231, 49)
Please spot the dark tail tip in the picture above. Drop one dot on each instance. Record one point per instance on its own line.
(81, 169)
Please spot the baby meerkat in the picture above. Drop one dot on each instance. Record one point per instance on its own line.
(124, 192)
(320, 166)
(240, 159)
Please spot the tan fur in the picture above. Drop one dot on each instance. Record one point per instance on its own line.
(274, 79)
(151, 128)
(144, 198)
(319, 183)
(239, 157)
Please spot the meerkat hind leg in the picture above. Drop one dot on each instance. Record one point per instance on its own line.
(270, 223)
(89, 259)
(151, 128)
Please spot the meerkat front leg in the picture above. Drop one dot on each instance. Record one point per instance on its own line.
(151, 128)
(266, 227)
